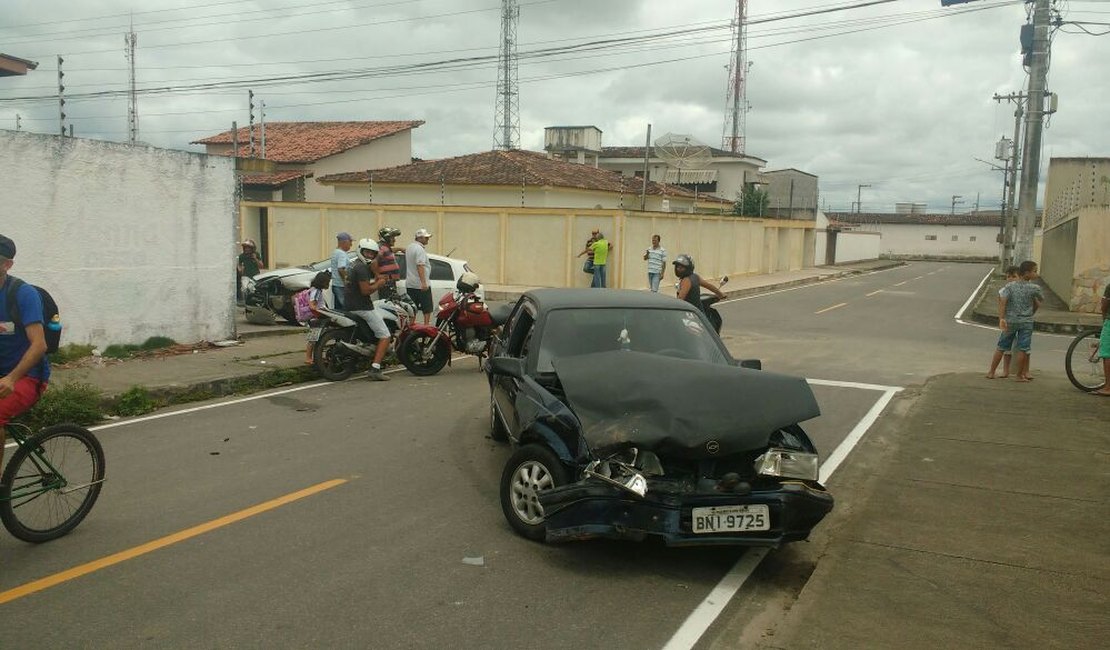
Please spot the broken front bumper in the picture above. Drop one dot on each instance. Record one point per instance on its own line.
(588, 510)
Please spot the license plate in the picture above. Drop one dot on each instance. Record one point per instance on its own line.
(314, 334)
(730, 519)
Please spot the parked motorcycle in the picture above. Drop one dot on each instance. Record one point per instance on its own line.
(344, 343)
(463, 324)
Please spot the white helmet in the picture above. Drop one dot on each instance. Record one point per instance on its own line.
(468, 282)
(367, 244)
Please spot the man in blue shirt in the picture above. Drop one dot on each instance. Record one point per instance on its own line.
(24, 369)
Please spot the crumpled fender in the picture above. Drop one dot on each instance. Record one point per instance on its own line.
(543, 417)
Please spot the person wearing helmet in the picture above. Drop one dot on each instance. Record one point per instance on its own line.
(363, 280)
(417, 273)
(249, 264)
(387, 261)
(690, 283)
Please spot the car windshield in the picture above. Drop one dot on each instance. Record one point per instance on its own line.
(672, 332)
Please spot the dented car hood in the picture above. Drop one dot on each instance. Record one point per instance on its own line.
(678, 407)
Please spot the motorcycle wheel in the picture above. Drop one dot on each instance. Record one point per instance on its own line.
(412, 354)
(714, 319)
(332, 362)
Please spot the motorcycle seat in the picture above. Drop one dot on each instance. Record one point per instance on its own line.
(499, 312)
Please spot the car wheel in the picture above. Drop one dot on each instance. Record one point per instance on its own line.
(530, 470)
(497, 429)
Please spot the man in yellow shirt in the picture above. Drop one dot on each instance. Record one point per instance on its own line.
(601, 248)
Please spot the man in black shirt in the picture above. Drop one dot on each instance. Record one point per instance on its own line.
(363, 281)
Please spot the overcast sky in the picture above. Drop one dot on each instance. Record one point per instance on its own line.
(897, 95)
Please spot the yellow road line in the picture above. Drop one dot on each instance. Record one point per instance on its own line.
(143, 549)
(830, 308)
(874, 292)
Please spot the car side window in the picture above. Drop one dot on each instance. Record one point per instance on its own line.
(441, 271)
(520, 333)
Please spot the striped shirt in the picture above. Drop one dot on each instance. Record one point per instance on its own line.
(657, 259)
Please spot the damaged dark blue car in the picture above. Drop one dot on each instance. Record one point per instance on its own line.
(630, 420)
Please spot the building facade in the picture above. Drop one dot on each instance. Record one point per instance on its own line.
(1076, 259)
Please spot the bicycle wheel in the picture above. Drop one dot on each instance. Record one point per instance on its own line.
(51, 483)
(1082, 363)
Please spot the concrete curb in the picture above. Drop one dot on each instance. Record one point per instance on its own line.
(980, 314)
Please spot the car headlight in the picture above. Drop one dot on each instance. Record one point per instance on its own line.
(787, 463)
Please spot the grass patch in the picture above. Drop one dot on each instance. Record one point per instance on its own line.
(135, 401)
(128, 350)
(75, 402)
(71, 352)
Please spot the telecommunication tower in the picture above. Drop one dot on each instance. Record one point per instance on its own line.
(736, 99)
(507, 128)
(129, 40)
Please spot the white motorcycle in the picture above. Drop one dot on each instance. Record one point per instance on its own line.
(343, 342)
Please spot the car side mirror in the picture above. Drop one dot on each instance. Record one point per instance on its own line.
(753, 364)
(508, 366)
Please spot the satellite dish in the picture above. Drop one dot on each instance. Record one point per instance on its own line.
(683, 151)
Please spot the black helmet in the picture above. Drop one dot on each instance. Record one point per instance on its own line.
(388, 231)
(684, 261)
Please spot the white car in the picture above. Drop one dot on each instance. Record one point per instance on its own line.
(271, 292)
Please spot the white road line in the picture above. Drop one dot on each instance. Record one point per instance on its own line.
(973, 296)
(821, 311)
(901, 283)
(919, 277)
(874, 292)
(695, 625)
(806, 286)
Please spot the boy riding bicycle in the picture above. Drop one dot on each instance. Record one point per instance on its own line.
(24, 368)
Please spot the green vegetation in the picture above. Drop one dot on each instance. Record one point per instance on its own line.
(136, 401)
(75, 402)
(753, 202)
(128, 350)
(71, 352)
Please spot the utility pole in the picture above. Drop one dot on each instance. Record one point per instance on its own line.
(250, 124)
(1009, 214)
(859, 194)
(262, 121)
(1034, 122)
(507, 112)
(643, 185)
(18, 122)
(956, 198)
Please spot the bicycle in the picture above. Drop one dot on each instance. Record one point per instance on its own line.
(51, 482)
(1082, 363)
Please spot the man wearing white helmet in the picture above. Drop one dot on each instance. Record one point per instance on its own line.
(417, 273)
(363, 280)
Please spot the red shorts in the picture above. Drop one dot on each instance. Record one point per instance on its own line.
(27, 392)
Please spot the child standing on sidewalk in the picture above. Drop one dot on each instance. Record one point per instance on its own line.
(1007, 356)
(1017, 303)
(316, 290)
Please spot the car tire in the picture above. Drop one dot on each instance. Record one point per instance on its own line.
(497, 429)
(531, 469)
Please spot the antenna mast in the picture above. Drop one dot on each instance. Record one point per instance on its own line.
(736, 102)
(129, 40)
(507, 129)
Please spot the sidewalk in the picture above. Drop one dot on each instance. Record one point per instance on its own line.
(972, 516)
(1053, 316)
(269, 353)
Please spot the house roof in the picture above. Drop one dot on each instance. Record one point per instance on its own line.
(511, 167)
(638, 153)
(982, 218)
(305, 142)
(274, 179)
(13, 65)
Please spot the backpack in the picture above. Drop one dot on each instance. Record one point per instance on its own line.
(302, 306)
(52, 321)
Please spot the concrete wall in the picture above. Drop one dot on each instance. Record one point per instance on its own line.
(1076, 260)
(851, 246)
(132, 242)
(389, 151)
(909, 240)
(539, 246)
(1075, 183)
(792, 194)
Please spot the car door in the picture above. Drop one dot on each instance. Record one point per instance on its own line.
(441, 279)
(514, 343)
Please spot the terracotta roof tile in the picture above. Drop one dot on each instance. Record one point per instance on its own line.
(510, 168)
(274, 179)
(305, 142)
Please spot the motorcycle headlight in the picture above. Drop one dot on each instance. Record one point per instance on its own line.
(787, 463)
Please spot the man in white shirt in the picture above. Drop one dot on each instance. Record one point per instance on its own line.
(418, 272)
(338, 268)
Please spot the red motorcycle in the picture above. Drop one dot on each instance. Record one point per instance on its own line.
(463, 324)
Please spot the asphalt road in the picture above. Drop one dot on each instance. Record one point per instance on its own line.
(408, 548)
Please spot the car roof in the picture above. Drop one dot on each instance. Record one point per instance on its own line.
(547, 299)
